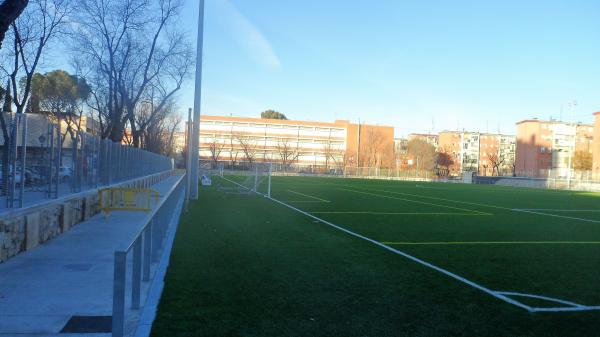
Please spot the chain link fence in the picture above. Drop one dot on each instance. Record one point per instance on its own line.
(41, 160)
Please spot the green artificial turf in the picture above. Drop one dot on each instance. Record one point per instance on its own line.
(243, 265)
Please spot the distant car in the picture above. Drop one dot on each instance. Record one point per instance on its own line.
(65, 174)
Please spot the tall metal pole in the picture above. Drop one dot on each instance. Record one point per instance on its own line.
(188, 132)
(197, 97)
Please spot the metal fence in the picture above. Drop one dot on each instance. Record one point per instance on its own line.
(40, 160)
(328, 171)
(579, 180)
(545, 183)
(144, 250)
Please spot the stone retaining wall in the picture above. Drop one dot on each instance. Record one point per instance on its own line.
(26, 228)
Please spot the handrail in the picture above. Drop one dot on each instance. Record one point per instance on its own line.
(153, 212)
(146, 246)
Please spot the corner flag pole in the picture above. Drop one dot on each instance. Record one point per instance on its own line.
(197, 99)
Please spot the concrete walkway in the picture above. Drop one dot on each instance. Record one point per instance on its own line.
(71, 275)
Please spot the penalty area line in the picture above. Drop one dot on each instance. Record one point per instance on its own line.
(415, 201)
(497, 294)
(398, 213)
(412, 258)
(554, 215)
(309, 196)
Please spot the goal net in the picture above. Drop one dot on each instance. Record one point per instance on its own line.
(252, 178)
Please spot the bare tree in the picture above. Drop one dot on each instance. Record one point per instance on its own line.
(372, 148)
(215, 147)
(233, 150)
(9, 12)
(497, 160)
(40, 23)
(288, 151)
(248, 146)
(422, 153)
(130, 52)
(333, 154)
(160, 135)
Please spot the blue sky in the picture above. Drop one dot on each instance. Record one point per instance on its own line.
(416, 65)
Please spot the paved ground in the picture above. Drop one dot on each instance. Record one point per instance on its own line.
(40, 290)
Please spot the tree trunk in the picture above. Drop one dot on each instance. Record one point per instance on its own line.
(9, 12)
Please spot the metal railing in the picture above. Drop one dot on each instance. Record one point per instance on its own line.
(42, 161)
(146, 247)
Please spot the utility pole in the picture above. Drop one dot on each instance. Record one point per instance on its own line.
(197, 100)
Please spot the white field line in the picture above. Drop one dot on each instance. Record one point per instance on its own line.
(305, 201)
(308, 196)
(555, 215)
(560, 210)
(499, 295)
(415, 201)
(397, 213)
(442, 243)
(545, 298)
(572, 306)
(478, 204)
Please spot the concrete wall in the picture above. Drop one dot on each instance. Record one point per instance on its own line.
(26, 228)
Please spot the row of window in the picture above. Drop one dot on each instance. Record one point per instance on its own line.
(273, 126)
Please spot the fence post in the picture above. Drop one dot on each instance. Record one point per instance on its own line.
(155, 237)
(269, 185)
(118, 314)
(147, 251)
(137, 274)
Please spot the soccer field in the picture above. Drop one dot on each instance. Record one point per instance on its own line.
(352, 257)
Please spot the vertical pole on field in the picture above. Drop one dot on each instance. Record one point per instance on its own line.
(197, 99)
(256, 178)
(188, 159)
(269, 185)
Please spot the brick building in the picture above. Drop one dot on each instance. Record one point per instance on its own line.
(546, 148)
(337, 144)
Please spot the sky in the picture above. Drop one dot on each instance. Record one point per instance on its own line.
(420, 66)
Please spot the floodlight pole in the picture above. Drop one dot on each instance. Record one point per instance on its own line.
(197, 99)
(188, 162)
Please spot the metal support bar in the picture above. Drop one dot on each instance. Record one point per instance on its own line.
(147, 253)
(118, 316)
(136, 278)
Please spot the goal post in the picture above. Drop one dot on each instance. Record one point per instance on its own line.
(249, 178)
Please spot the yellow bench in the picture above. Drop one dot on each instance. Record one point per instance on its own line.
(126, 199)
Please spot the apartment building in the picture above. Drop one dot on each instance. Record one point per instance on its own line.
(546, 148)
(429, 138)
(337, 144)
(484, 153)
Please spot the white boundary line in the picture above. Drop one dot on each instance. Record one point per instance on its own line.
(554, 215)
(308, 196)
(524, 210)
(560, 210)
(504, 296)
(414, 201)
